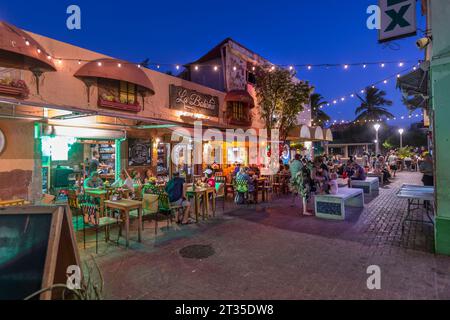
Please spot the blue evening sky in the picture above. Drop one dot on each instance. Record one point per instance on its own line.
(284, 32)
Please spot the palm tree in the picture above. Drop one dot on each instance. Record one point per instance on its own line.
(371, 107)
(318, 116)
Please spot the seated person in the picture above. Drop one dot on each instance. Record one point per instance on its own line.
(93, 182)
(136, 177)
(358, 172)
(149, 177)
(209, 178)
(175, 190)
(124, 181)
(333, 186)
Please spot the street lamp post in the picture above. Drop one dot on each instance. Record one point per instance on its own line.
(401, 137)
(377, 149)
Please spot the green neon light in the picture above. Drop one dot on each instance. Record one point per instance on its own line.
(157, 126)
(118, 143)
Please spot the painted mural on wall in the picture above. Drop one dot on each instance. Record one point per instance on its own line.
(189, 100)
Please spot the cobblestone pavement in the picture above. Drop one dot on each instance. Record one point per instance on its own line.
(270, 252)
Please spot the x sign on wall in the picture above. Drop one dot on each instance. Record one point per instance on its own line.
(398, 19)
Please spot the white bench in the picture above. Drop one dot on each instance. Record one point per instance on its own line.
(380, 176)
(332, 206)
(370, 185)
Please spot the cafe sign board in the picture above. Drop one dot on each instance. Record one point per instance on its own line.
(397, 19)
(181, 98)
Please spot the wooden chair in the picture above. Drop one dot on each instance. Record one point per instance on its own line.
(167, 209)
(149, 209)
(220, 193)
(92, 217)
(74, 204)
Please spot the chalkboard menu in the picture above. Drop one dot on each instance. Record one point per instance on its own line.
(37, 244)
(23, 248)
(139, 152)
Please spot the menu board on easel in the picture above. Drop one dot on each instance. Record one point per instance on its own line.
(38, 244)
(139, 152)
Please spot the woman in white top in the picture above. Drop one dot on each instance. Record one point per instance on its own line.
(124, 181)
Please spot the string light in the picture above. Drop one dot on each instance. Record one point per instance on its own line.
(343, 121)
(196, 68)
(99, 64)
(38, 50)
(215, 68)
(362, 91)
(119, 65)
(27, 42)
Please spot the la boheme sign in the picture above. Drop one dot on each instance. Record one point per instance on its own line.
(181, 98)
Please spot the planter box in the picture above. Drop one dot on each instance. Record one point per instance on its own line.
(119, 106)
(245, 123)
(13, 91)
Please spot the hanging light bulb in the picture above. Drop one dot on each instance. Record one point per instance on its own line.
(49, 57)
(216, 68)
(158, 66)
(401, 64)
(38, 50)
(291, 68)
(177, 67)
(364, 66)
(99, 64)
(79, 61)
(234, 68)
(346, 66)
(27, 42)
(385, 81)
(119, 65)
(382, 65)
(352, 95)
(196, 68)
(309, 67)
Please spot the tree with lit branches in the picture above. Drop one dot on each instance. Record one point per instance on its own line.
(281, 98)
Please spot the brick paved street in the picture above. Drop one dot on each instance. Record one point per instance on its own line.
(270, 252)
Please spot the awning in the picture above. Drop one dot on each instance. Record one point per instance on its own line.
(19, 50)
(415, 82)
(240, 96)
(328, 135)
(116, 70)
(415, 87)
(306, 133)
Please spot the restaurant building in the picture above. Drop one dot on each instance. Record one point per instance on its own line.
(61, 104)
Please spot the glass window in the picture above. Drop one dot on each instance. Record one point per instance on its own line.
(238, 111)
(127, 92)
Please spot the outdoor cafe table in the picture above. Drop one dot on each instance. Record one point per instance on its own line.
(197, 194)
(126, 205)
(414, 193)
